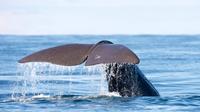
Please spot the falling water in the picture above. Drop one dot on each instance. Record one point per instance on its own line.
(45, 78)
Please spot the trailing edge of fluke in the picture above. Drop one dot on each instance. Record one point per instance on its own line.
(74, 54)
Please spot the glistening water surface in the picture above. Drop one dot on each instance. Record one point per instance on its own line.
(171, 63)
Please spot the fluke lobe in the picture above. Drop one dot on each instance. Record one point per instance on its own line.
(122, 73)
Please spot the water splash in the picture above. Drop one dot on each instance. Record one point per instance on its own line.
(39, 79)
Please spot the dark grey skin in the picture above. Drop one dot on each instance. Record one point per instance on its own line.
(124, 78)
(128, 80)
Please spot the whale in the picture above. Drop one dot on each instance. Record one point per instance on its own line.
(122, 72)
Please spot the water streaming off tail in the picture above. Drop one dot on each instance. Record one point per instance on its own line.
(49, 79)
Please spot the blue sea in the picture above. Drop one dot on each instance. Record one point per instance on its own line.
(170, 62)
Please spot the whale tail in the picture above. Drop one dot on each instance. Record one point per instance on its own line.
(123, 75)
(74, 54)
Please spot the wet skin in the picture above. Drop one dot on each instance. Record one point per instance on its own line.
(128, 80)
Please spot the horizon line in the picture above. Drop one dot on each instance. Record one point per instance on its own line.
(99, 34)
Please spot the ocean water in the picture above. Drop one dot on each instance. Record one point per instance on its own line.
(170, 62)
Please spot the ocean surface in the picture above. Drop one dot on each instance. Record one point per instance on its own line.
(170, 62)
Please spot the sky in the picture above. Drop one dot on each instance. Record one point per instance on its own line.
(44, 17)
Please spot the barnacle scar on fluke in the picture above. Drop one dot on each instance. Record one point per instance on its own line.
(122, 72)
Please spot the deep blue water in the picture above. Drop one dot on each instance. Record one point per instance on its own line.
(171, 63)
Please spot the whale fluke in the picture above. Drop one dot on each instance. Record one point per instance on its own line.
(111, 53)
(67, 55)
(122, 74)
(73, 54)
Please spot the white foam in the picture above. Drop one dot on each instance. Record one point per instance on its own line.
(40, 96)
(116, 94)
